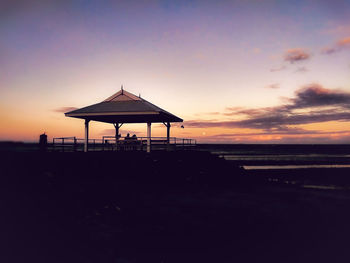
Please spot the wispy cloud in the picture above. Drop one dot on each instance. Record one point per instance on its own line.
(273, 86)
(296, 55)
(278, 69)
(338, 46)
(65, 109)
(208, 113)
(312, 137)
(289, 132)
(256, 50)
(340, 30)
(301, 70)
(311, 104)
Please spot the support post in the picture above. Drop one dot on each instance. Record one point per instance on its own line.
(86, 144)
(148, 137)
(168, 135)
(75, 145)
(116, 125)
(168, 132)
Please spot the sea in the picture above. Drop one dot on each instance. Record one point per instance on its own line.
(308, 166)
(283, 156)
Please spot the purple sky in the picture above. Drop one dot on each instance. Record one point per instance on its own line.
(192, 58)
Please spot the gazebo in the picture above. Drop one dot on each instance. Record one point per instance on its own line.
(124, 107)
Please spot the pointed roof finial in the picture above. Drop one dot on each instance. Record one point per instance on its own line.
(122, 88)
(139, 95)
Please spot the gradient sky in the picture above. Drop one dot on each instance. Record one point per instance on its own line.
(235, 71)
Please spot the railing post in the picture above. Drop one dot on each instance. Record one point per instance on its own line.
(168, 135)
(148, 137)
(75, 144)
(86, 135)
(62, 144)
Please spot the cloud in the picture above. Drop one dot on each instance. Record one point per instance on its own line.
(278, 69)
(311, 104)
(65, 109)
(248, 112)
(334, 138)
(338, 46)
(345, 42)
(256, 50)
(340, 30)
(275, 122)
(273, 86)
(329, 50)
(296, 55)
(315, 95)
(290, 132)
(208, 113)
(301, 70)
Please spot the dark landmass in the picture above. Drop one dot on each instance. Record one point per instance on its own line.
(184, 206)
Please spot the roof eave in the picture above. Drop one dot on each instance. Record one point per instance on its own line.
(129, 113)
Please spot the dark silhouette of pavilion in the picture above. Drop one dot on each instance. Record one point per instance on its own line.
(124, 107)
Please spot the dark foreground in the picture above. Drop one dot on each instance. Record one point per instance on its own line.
(165, 207)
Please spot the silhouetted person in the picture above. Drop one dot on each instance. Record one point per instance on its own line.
(134, 137)
(127, 136)
(43, 142)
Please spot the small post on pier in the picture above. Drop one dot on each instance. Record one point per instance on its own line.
(148, 137)
(168, 135)
(168, 132)
(75, 144)
(86, 143)
(116, 126)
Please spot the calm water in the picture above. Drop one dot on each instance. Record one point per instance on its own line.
(283, 156)
(318, 167)
(301, 166)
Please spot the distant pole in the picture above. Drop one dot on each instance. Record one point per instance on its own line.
(148, 137)
(86, 144)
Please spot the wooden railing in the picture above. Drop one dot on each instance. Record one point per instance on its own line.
(108, 143)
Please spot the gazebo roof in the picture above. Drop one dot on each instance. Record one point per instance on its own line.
(124, 107)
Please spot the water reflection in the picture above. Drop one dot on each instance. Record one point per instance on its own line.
(301, 166)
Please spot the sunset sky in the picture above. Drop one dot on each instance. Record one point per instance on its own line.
(235, 71)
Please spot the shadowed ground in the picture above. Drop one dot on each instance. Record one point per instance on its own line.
(163, 207)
